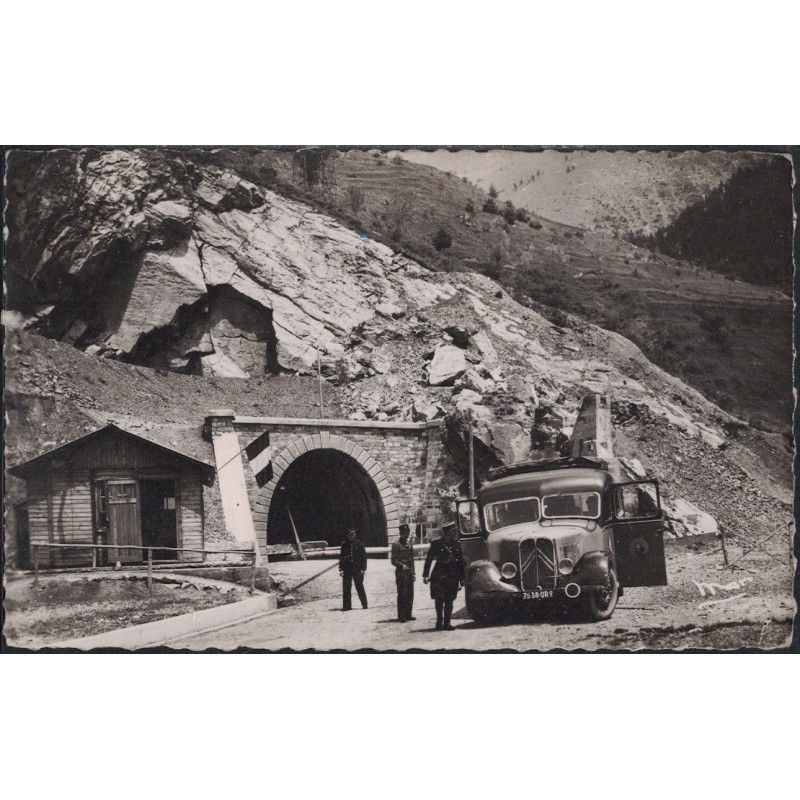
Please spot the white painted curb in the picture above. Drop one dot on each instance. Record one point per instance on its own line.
(163, 631)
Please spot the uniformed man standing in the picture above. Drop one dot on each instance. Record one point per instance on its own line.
(404, 573)
(447, 576)
(352, 566)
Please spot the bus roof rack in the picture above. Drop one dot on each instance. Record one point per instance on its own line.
(545, 465)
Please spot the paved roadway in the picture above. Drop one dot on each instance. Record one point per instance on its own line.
(645, 617)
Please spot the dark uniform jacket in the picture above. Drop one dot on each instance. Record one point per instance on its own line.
(449, 561)
(353, 557)
(403, 556)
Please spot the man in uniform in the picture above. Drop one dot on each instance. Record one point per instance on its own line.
(352, 566)
(403, 563)
(447, 576)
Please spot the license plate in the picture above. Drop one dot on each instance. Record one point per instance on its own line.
(544, 594)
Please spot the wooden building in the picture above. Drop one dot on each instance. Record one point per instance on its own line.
(113, 487)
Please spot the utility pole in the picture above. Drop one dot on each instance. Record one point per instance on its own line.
(319, 380)
(471, 471)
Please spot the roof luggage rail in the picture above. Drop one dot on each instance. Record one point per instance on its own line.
(545, 465)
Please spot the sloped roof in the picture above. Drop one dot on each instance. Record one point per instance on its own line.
(207, 470)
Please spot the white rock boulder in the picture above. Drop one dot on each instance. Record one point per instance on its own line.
(448, 364)
(483, 344)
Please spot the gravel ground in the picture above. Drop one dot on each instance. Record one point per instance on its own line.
(66, 607)
(749, 608)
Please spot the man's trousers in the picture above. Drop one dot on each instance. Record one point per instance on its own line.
(405, 593)
(347, 581)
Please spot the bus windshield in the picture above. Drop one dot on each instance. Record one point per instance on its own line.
(511, 512)
(573, 504)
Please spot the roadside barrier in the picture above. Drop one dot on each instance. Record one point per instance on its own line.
(250, 550)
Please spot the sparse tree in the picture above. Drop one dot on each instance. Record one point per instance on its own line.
(400, 209)
(355, 198)
(492, 192)
(498, 255)
(442, 239)
(398, 213)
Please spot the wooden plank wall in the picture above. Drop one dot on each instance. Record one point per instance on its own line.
(71, 503)
(190, 517)
(38, 517)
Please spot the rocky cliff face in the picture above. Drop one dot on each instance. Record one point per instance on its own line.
(146, 257)
(154, 260)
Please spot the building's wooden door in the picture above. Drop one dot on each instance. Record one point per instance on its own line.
(23, 536)
(123, 522)
(159, 516)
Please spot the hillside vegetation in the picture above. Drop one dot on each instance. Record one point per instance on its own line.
(730, 340)
(742, 229)
(616, 193)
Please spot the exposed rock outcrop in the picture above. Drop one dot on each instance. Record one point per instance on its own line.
(148, 238)
(150, 257)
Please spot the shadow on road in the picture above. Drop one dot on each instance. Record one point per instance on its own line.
(541, 616)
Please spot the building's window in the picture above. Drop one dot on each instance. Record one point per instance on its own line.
(101, 508)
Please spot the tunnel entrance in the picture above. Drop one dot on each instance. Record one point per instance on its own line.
(326, 492)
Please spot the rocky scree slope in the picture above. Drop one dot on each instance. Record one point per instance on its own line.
(154, 259)
(55, 393)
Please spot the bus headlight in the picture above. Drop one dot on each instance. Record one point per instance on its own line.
(565, 566)
(508, 570)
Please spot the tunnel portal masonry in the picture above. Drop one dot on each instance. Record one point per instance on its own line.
(386, 474)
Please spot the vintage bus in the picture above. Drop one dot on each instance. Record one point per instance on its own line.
(561, 530)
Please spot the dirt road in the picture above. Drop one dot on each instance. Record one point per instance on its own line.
(751, 607)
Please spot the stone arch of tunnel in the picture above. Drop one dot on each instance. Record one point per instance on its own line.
(327, 484)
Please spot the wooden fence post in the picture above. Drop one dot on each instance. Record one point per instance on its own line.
(150, 569)
(253, 573)
(36, 565)
(724, 549)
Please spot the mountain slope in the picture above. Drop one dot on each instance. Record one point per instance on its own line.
(177, 260)
(80, 219)
(743, 228)
(55, 392)
(610, 192)
(730, 340)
